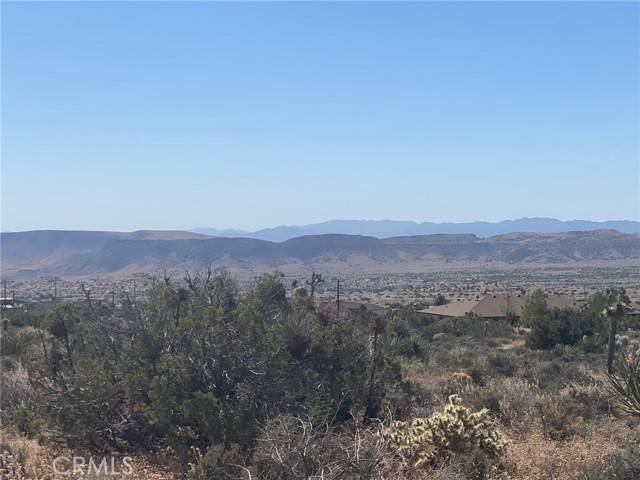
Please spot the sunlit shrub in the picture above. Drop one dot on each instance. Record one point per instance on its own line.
(457, 429)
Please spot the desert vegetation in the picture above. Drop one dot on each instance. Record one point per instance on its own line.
(206, 380)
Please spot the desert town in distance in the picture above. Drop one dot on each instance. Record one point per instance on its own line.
(311, 240)
(382, 291)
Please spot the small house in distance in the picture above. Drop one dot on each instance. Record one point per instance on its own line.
(7, 303)
(634, 310)
(495, 306)
(352, 306)
(355, 307)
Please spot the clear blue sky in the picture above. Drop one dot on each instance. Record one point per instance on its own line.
(180, 115)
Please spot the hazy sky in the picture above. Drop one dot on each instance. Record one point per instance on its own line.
(180, 115)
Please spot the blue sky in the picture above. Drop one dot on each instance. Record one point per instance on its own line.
(178, 115)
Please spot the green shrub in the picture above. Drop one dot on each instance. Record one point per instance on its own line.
(596, 343)
(553, 374)
(25, 318)
(15, 343)
(440, 299)
(218, 463)
(200, 364)
(502, 363)
(550, 327)
(24, 420)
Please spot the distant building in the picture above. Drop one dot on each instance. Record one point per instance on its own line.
(355, 307)
(7, 303)
(499, 305)
(634, 310)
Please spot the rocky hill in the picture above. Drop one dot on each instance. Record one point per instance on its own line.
(78, 254)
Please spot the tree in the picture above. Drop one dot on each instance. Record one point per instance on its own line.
(315, 280)
(440, 300)
(197, 364)
(65, 327)
(550, 327)
(535, 307)
(508, 309)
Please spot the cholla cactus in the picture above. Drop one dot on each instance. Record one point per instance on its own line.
(424, 441)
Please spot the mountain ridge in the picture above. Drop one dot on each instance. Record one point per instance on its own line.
(78, 254)
(392, 228)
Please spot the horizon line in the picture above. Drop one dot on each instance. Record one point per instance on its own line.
(253, 231)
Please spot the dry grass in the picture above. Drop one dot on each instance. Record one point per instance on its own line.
(552, 433)
(535, 456)
(24, 459)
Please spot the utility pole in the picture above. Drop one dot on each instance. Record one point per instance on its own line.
(134, 291)
(4, 300)
(55, 288)
(338, 300)
(611, 350)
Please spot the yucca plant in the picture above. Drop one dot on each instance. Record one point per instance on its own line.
(625, 383)
(617, 304)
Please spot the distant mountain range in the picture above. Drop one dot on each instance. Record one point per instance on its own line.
(394, 228)
(84, 254)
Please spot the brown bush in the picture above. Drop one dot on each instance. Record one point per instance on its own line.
(561, 416)
(535, 456)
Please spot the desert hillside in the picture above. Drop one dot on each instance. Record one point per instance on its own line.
(76, 254)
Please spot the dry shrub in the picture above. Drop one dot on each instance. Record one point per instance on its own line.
(16, 389)
(517, 401)
(622, 465)
(291, 446)
(512, 400)
(462, 376)
(24, 459)
(534, 456)
(593, 398)
(454, 386)
(440, 386)
(561, 416)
